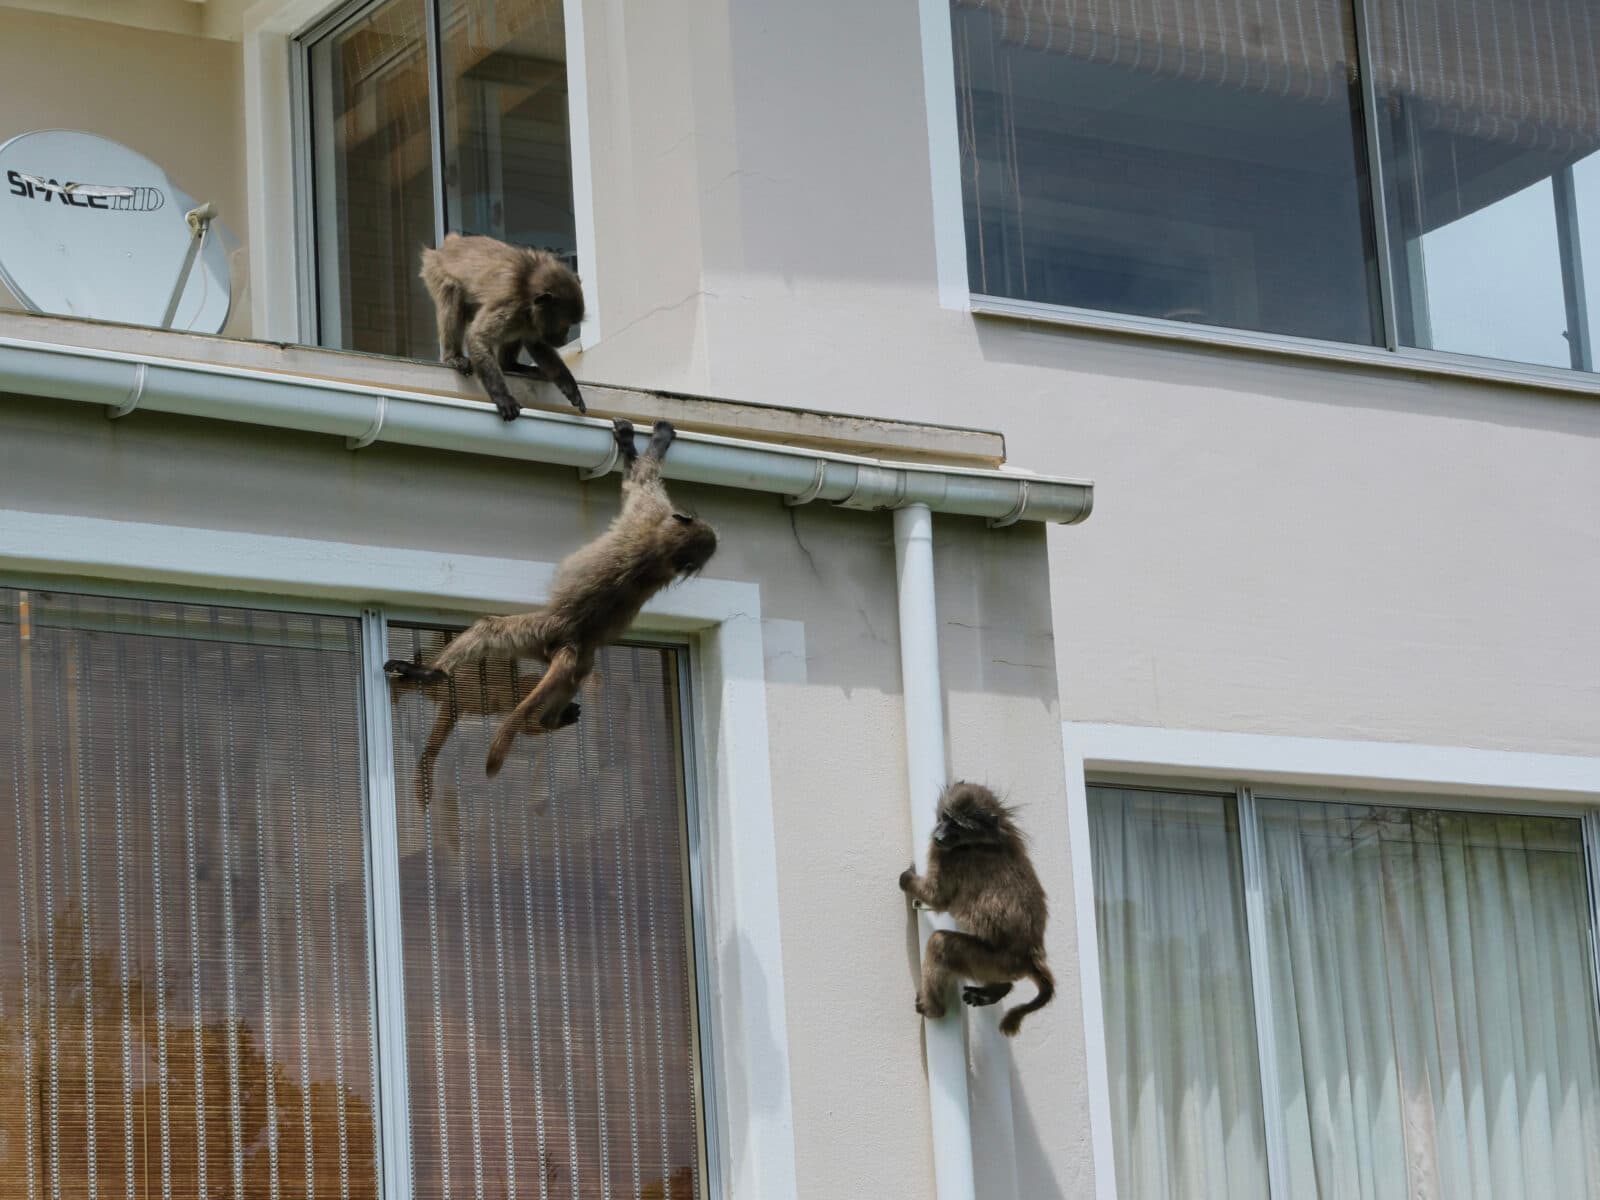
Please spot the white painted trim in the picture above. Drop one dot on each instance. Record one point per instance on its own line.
(1094, 1013)
(582, 167)
(389, 1068)
(752, 1099)
(1327, 762)
(944, 154)
(1261, 758)
(269, 114)
(1403, 360)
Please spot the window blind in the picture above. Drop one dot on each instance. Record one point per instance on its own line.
(549, 993)
(184, 1004)
(1513, 70)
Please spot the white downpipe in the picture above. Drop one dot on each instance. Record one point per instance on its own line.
(944, 1040)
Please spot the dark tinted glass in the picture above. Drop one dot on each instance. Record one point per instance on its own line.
(1165, 158)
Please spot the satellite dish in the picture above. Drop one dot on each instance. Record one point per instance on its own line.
(90, 228)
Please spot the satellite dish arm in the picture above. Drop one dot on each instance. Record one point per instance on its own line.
(199, 218)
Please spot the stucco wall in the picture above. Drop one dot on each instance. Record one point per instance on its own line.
(176, 98)
(835, 720)
(1276, 547)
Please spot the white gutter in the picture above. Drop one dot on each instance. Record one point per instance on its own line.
(125, 383)
(944, 1040)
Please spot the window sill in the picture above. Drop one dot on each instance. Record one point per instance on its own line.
(1405, 360)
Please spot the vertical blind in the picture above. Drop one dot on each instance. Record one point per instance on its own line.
(549, 994)
(1521, 70)
(184, 1005)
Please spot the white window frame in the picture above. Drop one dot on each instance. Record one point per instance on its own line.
(955, 291)
(748, 1134)
(278, 184)
(1289, 767)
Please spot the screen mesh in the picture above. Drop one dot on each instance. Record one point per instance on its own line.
(549, 993)
(184, 1004)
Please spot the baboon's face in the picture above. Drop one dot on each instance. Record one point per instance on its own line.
(690, 543)
(969, 815)
(558, 310)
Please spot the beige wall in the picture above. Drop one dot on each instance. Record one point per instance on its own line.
(842, 827)
(1276, 547)
(174, 97)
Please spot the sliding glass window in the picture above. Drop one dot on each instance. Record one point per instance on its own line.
(1415, 987)
(426, 116)
(185, 1005)
(1411, 173)
(192, 998)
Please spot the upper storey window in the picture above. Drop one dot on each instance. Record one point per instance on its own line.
(427, 117)
(1410, 173)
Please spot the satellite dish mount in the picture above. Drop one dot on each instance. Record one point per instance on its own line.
(199, 219)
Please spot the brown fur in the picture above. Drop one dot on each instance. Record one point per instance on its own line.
(493, 693)
(491, 298)
(597, 593)
(979, 872)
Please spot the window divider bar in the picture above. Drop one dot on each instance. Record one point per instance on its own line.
(1388, 308)
(434, 34)
(1591, 854)
(1572, 286)
(383, 914)
(696, 827)
(305, 234)
(1255, 906)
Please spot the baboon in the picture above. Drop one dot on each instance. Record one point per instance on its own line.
(496, 693)
(597, 593)
(979, 872)
(491, 299)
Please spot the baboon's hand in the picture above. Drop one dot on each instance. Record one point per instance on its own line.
(459, 363)
(402, 669)
(907, 876)
(508, 408)
(569, 389)
(569, 715)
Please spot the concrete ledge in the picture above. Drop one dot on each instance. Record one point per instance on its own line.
(867, 436)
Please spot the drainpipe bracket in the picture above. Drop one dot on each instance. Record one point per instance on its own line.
(605, 466)
(372, 431)
(135, 394)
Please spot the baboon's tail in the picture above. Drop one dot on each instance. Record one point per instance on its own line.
(1046, 982)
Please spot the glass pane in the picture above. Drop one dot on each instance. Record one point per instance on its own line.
(374, 182)
(508, 155)
(550, 999)
(1168, 159)
(1434, 1002)
(184, 1003)
(1175, 981)
(1483, 108)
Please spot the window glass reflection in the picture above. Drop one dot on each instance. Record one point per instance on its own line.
(373, 167)
(1484, 108)
(1169, 160)
(508, 157)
